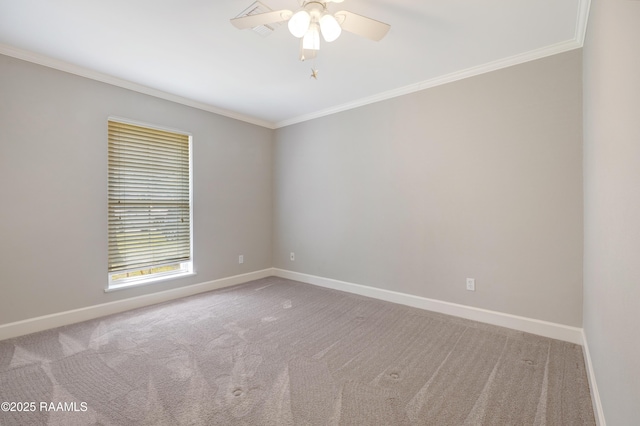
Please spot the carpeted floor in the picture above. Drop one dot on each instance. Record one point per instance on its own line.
(278, 352)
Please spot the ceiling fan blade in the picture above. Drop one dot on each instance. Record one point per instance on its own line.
(252, 21)
(361, 25)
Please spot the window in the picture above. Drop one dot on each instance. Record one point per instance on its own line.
(149, 204)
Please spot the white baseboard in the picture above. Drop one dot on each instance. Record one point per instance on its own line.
(595, 395)
(46, 322)
(529, 325)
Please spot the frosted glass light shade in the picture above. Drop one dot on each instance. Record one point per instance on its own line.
(330, 28)
(299, 23)
(311, 40)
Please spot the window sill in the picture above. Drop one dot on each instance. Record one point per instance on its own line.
(148, 281)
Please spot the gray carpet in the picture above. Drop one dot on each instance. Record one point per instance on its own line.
(278, 352)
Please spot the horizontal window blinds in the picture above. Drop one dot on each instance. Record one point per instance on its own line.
(149, 197)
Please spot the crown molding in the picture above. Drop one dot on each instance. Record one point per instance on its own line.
(57, 64)
(582, 21)
(575, 43)
(438, 81)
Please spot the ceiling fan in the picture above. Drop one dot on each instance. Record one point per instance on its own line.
(313, 19)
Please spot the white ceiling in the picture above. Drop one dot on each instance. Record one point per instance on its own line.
(186, 50)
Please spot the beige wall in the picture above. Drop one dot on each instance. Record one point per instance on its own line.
(53, 189)
(479, 178)
(612, 205)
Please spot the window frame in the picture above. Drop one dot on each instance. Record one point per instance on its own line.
(185, 268)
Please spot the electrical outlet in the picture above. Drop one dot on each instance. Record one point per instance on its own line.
(471, 284)
(292, 256)
(241, 258)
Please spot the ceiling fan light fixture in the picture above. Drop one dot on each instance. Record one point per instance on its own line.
(311, 40)
(299, 23)
(330, 28)
(311, 20)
